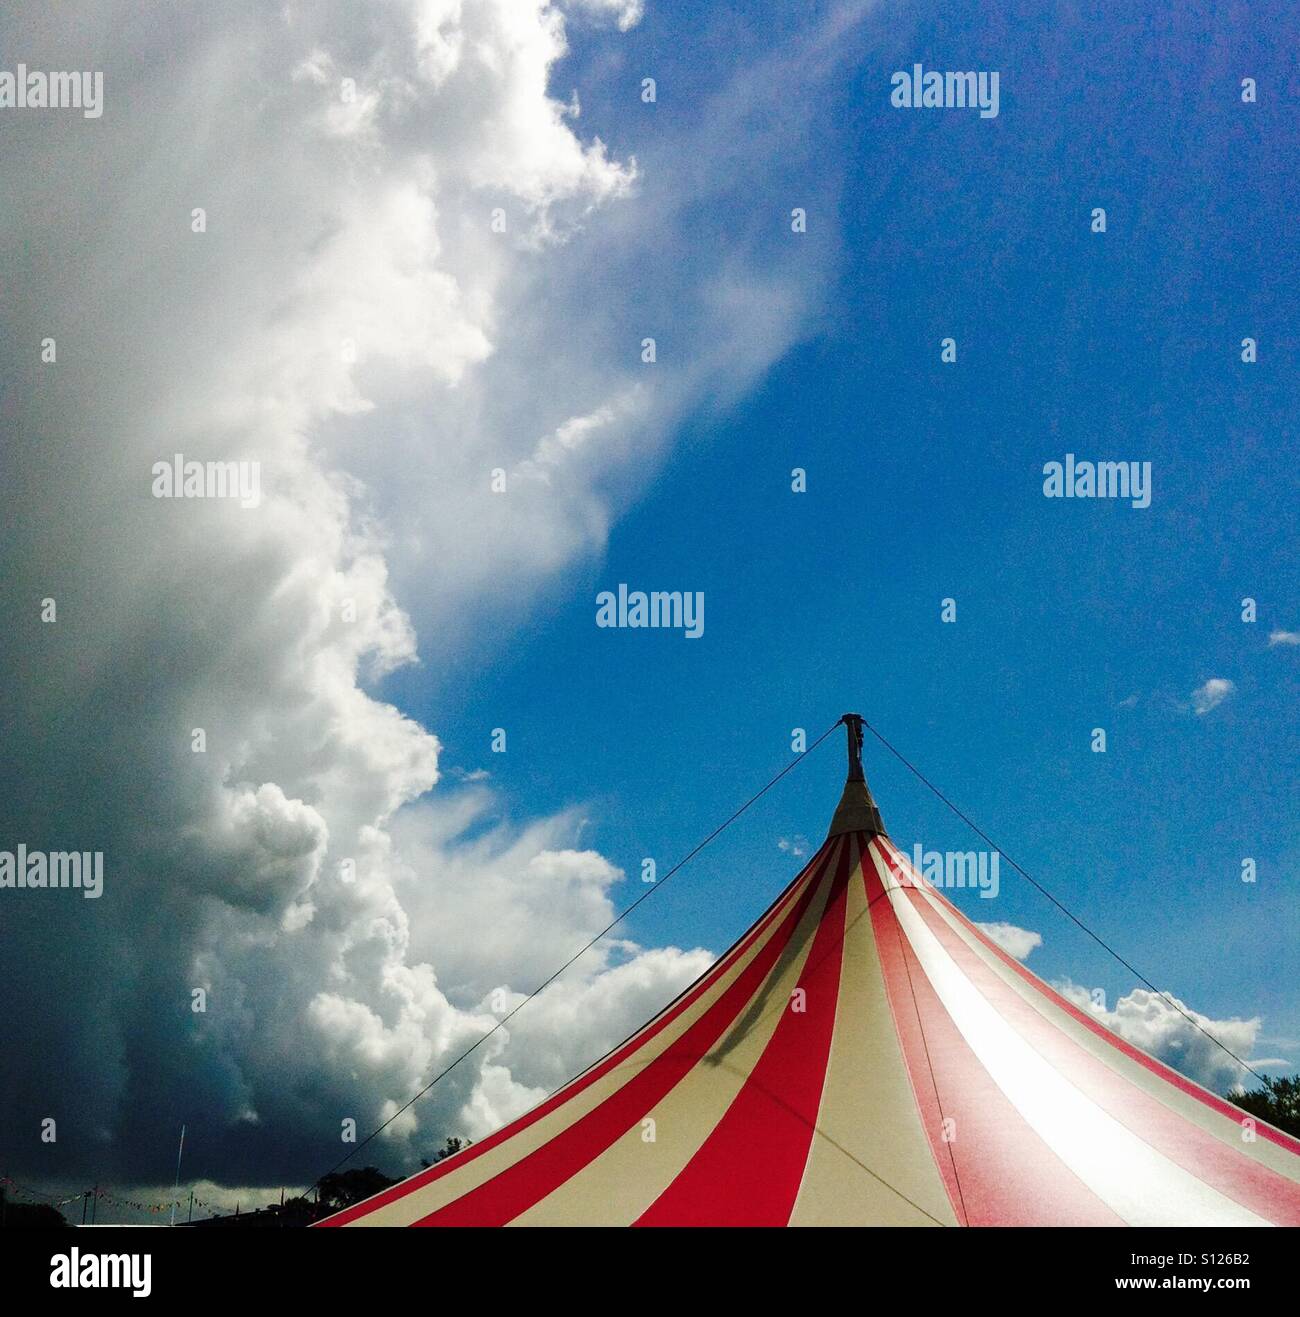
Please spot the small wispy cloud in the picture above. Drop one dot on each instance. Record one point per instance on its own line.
(1211, 695)
(1283, 638)
(626, 13)
(796, 846)
(1017, 942)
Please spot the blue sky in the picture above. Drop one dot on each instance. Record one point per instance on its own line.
(925, 482)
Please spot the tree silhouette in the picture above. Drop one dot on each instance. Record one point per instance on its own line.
(29, 1216)
(449, 1149)
(1277, 1102)
(343, 1188)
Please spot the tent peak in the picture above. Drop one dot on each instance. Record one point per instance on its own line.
(857, 811)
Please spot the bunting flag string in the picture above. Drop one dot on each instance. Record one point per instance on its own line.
(104, 1196)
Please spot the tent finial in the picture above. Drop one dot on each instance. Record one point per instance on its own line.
(857, 811)
(853, 725)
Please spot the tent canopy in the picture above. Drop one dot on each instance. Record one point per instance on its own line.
(865, 1055)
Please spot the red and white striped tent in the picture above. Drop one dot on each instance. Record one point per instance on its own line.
(865, 1055)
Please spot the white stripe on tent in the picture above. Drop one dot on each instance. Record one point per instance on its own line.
(1138, 1183)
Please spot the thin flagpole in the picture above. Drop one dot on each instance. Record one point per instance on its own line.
(176, 1188)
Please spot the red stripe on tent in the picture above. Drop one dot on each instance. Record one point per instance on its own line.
(1192, 1089)
(997, 1170)
(617, 1056)
(1185, 1143)
(748, 1171)
(519, 1186)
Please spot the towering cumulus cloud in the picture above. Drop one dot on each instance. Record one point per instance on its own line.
(282, 221)
(336, 247)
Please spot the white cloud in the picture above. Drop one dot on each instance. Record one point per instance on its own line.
(1211, 695)
(1159, 1026)
(581, 1016)
(351, 320)
(343, 270)
(1017, 942)
(796, 846)
(530, 896)
(626, 13)
(497, 1098)
(1280, 637)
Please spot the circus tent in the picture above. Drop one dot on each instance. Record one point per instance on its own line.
(865, 1055)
